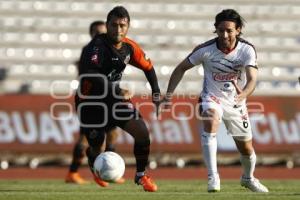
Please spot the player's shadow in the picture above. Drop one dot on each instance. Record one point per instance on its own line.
(12, 190)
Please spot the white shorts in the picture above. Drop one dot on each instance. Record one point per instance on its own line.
(235, 117)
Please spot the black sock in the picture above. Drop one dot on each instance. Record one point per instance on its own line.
(78, 154)
(110, 147)
(141, 153)
(91, 159)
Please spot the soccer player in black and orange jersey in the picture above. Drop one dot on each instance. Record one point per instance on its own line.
(73, 176)
(102, 104)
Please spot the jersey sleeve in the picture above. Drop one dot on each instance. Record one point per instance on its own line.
(196, 56)
(138, 59)
(250, 57)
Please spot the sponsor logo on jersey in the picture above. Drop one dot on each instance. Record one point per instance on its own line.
(215, 99)
(114, 75)
(94, 59)
(221, 76)
(226, 85)
(127, 59)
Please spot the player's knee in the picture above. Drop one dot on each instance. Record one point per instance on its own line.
(141, 135)
(145, 141)
(210, 114)
(247, 151)
(93, 151)
(245, 148)
(211, 117)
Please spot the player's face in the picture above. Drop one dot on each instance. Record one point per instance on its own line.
(227, 33)
(117, 29)
(101, 29)
(98, 30)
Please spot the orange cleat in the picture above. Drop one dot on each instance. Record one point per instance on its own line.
(120, 180)
(147, 183)
(100, 182)
(74, 177)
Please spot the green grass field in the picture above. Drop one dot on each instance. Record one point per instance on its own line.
(168, 190)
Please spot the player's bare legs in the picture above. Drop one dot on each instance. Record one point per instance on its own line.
(211, 121)
(137, 128)
(248, 161)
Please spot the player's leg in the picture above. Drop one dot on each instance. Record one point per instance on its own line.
(210, 113)
(78, 154)
(95, 138)
(238, 125)
(248, 161)
(137, 128)
(93, 118)
(111, 139)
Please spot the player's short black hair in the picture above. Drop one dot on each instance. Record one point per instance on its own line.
(229, 15)
(94, 25)
(118, 11)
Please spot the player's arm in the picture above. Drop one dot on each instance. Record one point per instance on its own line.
(152, 79)
(177, 75)
(251, 74)
(140, 61)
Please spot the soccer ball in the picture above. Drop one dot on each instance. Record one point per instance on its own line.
(109, 166)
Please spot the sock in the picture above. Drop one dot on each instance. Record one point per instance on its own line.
(110, 147)
(77, 157)
(141, 153)
(139, 174)
(248, 164)
(209, 150)
(91, 159)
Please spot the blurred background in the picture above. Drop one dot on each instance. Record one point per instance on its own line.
(40, 42)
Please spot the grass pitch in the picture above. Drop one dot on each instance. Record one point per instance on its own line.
(168, 190)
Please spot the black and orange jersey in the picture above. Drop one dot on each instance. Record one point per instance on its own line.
(99, 56)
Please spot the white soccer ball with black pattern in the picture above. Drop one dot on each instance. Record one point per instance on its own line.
(109, 166)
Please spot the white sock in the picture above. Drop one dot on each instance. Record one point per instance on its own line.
(139, 174)
(209, 150)
(248, 164)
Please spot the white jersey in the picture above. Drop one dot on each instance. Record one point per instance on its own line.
(221, 68)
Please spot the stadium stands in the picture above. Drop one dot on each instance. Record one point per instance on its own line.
(41, 40)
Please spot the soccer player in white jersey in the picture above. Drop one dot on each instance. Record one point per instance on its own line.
(230, 73)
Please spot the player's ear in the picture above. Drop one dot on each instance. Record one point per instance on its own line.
(238, 30)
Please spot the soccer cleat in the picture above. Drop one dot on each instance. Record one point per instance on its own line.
(213, 184)
(147, 183)
(74, 177)
(253, 184)
(120, 180)
(99, 181)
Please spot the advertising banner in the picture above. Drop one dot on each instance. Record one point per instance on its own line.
(42, 124)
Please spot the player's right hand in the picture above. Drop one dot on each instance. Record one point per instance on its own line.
(126, 94)
(165, 103)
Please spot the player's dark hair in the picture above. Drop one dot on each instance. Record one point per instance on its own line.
(94, 25)
(229, 15)
(118, 11)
